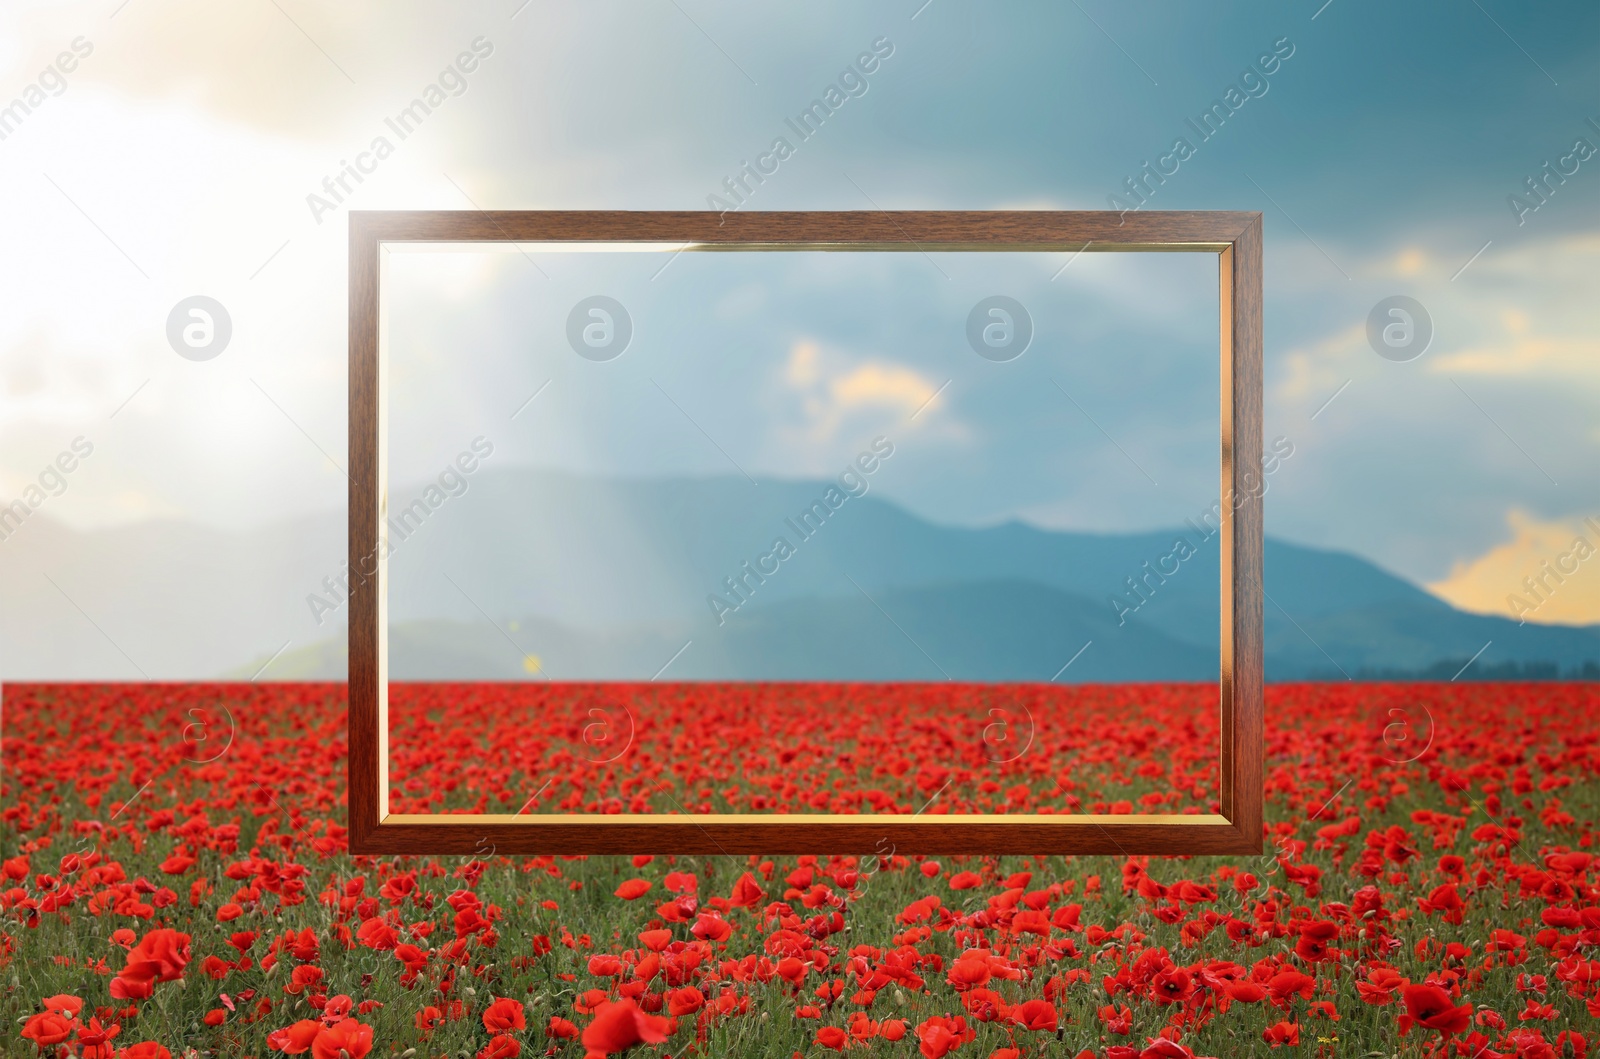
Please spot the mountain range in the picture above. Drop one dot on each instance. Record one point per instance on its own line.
(532, 573)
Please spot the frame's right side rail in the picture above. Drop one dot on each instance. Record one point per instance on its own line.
(1242, 649)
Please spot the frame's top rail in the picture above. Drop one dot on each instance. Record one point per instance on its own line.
(913, 230)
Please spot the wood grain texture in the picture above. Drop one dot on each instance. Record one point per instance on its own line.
(908, 230)
(1227, 550)
(364, 723)
(1235, 237)
(771, 835)
(1243, 765)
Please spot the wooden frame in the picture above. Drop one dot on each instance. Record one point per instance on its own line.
(1236, 240)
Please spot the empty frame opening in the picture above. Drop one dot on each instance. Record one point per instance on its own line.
(799, 531)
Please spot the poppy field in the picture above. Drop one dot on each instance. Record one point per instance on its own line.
(174, 880)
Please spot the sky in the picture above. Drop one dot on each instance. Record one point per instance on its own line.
(787, 365)
(173, 150)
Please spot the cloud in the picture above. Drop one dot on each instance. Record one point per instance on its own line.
(833, 390)
(801, 370)
(222, 120)
(1549, 572)
(1519, 315)
(344, 63)
(881, 384)
(1410, 261)
(1572, 358)
(1546, 332)
(1309, 372)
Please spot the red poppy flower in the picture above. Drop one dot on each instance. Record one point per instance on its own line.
(1117, 1020)
(1445, 900)
(621, 1025)
(711, 928)
(1315, 936)
(146, 1050)
(131, 988)
(937, 1041)
(427, 1020)
(501, 1046)
(178, 863)
(833, 1037)
(861, 1027)
(1282, 1034)
(503, 1016)
(376, 934)
(336, 1009)
(47, 1028)
(1038, 1015)
(968, 972)
(1561, 918)
(304, 945)
(680, 882)
(747, 893)
(1162, 1048)
(633, 889)
(589, 1001)
(63, 1003)
(1431, 1008)
(293, 1040)
(351, 1038)
(1245, 992)
(939, 1036)
(685, 1001)
(306, 976)
(1171, 986)
(1285, 984)
(605, 965)
(160, 956)
(94, 1040)
(985, 1005)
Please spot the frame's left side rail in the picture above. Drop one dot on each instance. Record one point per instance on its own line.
(366, 782)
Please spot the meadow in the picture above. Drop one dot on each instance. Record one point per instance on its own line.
(176, 881)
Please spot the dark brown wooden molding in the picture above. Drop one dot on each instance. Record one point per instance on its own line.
(1233, 236)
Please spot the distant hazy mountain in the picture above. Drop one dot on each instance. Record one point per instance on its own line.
(977, 631)
(611, 578)
(990, 630)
